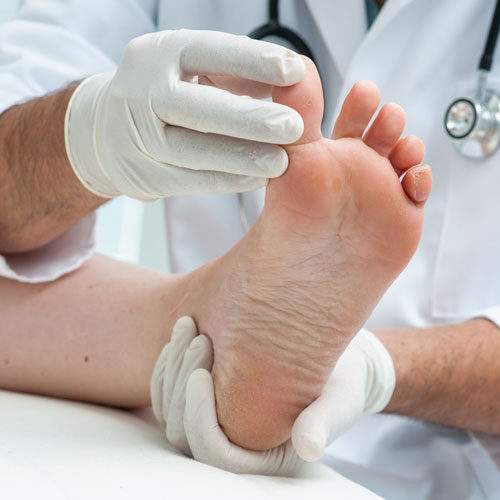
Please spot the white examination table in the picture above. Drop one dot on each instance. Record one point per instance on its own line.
(55, 449)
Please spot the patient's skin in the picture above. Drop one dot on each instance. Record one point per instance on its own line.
(336, 230)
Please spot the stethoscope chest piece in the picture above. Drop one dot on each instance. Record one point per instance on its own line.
(474, 125)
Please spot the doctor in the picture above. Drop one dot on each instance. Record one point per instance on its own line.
(444, 309)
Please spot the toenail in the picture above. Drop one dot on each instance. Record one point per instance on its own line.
(419, 190)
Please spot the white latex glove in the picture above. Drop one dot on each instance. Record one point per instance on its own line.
(183, 400)
(362, 382)
(149, 130)
(186, 352)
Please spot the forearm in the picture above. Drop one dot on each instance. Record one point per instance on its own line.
(92, 335)
(40, 196)
(447, 375)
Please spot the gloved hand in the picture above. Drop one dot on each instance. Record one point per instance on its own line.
(150, 130)
(362, 381)
(183, 400)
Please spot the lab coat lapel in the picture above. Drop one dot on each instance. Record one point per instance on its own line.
(388, 15)
(343, 25)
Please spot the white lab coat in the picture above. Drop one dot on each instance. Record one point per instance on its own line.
(422, 54)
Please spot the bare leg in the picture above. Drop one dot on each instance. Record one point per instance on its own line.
(92, 335)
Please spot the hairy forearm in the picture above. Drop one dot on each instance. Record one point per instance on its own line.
(92, 335)
(448, 374)
(40, 196)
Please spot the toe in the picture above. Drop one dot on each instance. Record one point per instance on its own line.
(417, 183)
(407, 153)
(306, 97)
(357, 111)
(386, 129)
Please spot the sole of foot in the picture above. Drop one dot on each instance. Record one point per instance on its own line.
(337, 229)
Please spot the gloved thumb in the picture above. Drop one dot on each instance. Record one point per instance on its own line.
(336, 410)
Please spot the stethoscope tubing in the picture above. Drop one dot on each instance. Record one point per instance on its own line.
(274, 28)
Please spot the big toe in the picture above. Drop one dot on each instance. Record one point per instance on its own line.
(306, 97)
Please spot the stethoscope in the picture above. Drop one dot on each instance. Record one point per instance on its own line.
(473, 123)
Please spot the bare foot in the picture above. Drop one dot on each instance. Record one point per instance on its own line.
(336, 230)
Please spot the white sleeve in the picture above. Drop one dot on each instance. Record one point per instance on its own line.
(47, 45)
(51, 43)
(493, 314)
(62, 255)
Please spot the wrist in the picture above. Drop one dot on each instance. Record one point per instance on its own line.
(380, 371)
(81, 128)
(407, 389)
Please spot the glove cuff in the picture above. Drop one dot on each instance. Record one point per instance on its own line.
(81, 126)
(380, 376)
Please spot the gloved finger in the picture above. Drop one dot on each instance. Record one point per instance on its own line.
(198, 151)
(198, 355)
(183, 181)
(183, 333)
(280, 461)
(217, 53)
(210, 445)
(156, 385)
(209, 109)
(238, 86)
(164, 180)
(338, 408)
